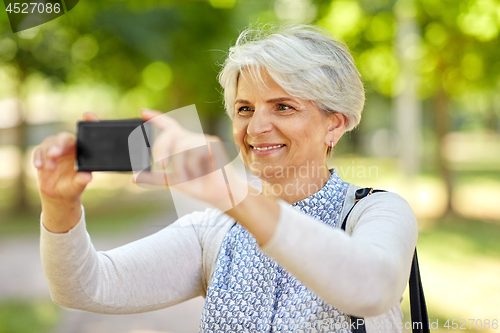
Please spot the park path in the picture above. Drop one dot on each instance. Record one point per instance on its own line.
(22, 278)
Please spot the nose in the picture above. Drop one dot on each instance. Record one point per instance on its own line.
(259, 124)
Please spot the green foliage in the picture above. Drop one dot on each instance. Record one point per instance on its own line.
(457, 239)
(28, 317)
(113, 43)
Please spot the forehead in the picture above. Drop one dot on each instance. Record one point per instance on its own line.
(257, 81)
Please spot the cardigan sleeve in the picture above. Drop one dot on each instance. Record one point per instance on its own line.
(363, 274)
(157, 271)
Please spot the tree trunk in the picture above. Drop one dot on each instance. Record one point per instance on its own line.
(21, 203)
(442, 128)
(492, 119)
(408, 109)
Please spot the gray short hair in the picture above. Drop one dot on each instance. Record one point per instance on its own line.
(306, 61)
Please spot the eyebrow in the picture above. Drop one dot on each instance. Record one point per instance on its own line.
(241, 101)
(272, 100)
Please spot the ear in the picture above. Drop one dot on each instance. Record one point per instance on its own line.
(337, 123)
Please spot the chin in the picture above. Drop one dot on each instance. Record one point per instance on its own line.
(267, 171)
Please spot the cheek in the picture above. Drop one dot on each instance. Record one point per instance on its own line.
(309, 139)
(239, 131)
(300, 131)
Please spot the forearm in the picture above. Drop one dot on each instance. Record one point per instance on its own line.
(60, 216)
(152, 273)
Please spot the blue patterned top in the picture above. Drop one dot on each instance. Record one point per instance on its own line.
(250, 292)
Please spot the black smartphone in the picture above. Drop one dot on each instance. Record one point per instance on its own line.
(114, 145)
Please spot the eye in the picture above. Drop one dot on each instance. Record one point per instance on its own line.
(245, 110)
(284, 107)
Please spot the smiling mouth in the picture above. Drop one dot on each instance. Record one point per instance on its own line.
(266, 148)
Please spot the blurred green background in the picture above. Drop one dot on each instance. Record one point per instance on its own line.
(430, 128)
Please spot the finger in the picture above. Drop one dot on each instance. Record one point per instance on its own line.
(170, 130)
(206, 165)
(192, 166)
(37, 158)
(160, 120)
(218, 154)
(179, 166)
(164, 173)
(138, 176)
(148, 114)
(90, 116)
(66, 142)
(198, 162)
(163, 146)
(82, 179)
(151, 178)
(44, 147)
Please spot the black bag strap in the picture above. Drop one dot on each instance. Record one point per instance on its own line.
(418, 308)
(358, 195)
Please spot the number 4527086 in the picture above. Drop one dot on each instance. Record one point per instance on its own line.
(33, 7)
(463, 324)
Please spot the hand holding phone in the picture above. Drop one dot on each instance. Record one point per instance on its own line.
(59, 184)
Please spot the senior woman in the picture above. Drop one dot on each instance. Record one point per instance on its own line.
(276, 261)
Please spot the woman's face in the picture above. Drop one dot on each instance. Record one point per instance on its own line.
(278, 132)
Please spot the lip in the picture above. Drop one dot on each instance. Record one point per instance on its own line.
(260, 145)
(267, 151)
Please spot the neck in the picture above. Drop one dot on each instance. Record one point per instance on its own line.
(295, 187)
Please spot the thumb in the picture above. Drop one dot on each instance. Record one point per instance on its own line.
(82, 179)
(90, 116)
(147, 114)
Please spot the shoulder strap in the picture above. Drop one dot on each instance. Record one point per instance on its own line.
(358, 195)
(418, 308)
(419, 317)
